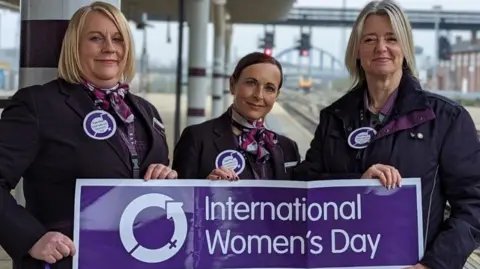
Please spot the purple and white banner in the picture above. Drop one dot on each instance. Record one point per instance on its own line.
(202, 224)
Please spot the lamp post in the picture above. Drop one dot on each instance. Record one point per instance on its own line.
(144, 58)
(437, 9)
(343, 46)
(178, 91)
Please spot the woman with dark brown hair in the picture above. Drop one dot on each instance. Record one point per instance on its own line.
(237, 144)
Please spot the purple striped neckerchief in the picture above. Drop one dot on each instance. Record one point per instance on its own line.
(254, 138)
(113, 98)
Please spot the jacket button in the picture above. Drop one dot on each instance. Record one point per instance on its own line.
(387, 130)
(349, 129)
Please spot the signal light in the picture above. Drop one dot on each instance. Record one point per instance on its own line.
(268, 51)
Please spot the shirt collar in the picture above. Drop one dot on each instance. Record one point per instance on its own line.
(387, 108)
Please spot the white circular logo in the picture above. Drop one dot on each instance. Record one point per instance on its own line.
(99, 125)
(174, 212)
(231, 159)
(361, 137)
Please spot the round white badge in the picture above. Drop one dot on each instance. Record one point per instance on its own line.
(99, 125)
(231, 159)
(361, 137)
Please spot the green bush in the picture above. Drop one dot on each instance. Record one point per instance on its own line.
(468, 102)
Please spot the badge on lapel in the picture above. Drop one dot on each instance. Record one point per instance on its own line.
(290, 164)
(157, 125)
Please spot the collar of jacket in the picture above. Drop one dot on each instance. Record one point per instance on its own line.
(411, 97)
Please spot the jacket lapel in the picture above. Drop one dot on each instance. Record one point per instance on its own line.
(278, 160)
(224, 139)
(78, 100)
(142, 115)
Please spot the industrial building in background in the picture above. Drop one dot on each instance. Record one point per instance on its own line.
(459, 66)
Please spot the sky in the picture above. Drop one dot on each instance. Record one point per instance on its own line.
(245, 37)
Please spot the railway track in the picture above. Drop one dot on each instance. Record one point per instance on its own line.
(299, 109)
(304, 117)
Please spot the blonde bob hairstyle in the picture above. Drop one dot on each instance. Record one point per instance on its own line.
(69, 67)
(401, 27)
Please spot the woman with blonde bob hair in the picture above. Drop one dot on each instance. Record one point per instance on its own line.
(388, 128)
(84, 124)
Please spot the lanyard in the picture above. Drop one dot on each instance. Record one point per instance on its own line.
(130, 141)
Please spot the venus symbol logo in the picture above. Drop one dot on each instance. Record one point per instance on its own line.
(99, 125)
(361, 137)
(174, 212)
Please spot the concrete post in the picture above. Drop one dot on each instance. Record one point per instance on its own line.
(199, 13)
(437, 9)
(43, 26)
(218, 80)
(227, 97)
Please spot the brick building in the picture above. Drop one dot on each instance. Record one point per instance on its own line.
(462, 72)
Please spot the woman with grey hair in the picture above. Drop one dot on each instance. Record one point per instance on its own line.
(386, 127)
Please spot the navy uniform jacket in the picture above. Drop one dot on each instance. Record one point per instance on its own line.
(199, 145)
(446, 157)
(42, 140)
